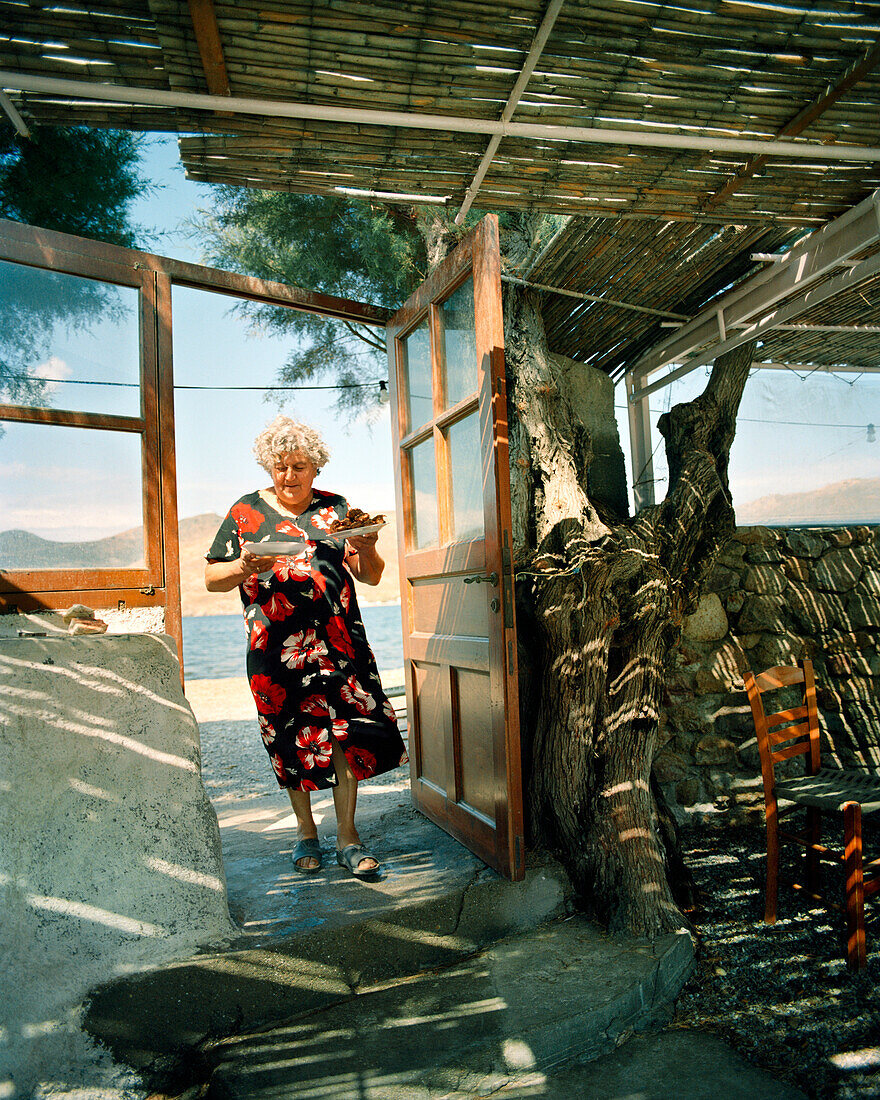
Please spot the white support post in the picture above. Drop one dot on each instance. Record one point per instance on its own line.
(11, 112)
(640, 447)
(722, 330)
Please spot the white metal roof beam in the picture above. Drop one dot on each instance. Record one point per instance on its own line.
(867, 269)
(270, 108)
(818, 368)
(519, 87)
(810, 259)
(592, 298)
(12, 114)
(804, 327)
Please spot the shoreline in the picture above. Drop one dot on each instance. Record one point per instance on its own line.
(223, 611)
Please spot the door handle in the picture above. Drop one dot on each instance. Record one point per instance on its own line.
(479, 579)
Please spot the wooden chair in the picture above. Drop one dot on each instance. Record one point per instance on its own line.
(795, 732)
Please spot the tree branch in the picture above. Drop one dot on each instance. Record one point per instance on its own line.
(697, 516)
(374, 343)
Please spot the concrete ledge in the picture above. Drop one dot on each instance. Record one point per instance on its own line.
(110, 853)
(562, 993)
(149, 1018)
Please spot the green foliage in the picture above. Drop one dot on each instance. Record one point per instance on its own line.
(72, 179)
(335, 245)
(77, 181)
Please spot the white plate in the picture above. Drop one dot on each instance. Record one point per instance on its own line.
(347, 533)
(282, 547)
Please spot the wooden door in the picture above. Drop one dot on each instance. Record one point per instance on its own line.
(446, 350)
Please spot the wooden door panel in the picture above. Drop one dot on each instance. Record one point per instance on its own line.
(460, 557)
(446, 605)
(430, 714)
(446, 351)
(461, 652)
(478, 771)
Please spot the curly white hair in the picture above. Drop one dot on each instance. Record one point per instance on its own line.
(282, 436)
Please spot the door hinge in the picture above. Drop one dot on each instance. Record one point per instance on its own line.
(147, 591)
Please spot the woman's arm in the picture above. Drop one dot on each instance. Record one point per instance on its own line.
(223, 576)
(363, 559)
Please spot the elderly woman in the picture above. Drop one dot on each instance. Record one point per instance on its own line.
(325, 720)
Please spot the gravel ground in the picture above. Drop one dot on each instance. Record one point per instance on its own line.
(781, 994)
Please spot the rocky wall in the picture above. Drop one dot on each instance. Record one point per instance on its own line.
(775, 595)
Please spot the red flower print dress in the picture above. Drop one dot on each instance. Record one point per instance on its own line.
(311, 670)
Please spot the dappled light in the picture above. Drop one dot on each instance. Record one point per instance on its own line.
(625, 787)
(97, 678)
(82, 911)
(114, 852)
(780, 993)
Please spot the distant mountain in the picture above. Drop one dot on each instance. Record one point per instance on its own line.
(856, 500)
(23, 550)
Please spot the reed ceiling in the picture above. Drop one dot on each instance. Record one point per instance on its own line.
(663, 228)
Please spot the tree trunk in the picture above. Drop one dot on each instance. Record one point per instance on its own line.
(604, 600)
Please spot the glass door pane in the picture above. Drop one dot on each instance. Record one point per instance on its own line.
(417, 377)
(71, 498)
(68, 342)
(459, 340)
(426, 525)
(465, 466)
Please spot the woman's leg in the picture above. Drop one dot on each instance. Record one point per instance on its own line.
(306, 827)
(345, 802)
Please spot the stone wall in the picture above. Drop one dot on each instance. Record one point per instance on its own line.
(775, 595)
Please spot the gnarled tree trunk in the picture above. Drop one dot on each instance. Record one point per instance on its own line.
(604, 599)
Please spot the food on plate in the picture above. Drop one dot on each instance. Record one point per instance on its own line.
(355, 520)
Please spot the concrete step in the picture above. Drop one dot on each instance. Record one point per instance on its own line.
(665, 1065)
(544, 998)
(342, 936)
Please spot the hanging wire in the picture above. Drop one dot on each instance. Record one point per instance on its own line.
(136, 385)
(846, 446)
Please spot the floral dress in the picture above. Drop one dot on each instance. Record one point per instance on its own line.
(311, 670)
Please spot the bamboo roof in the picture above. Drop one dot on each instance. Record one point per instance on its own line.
(662, 227)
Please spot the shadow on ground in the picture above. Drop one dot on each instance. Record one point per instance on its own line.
(781, 994)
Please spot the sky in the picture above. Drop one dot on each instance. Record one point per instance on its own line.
(793, 434)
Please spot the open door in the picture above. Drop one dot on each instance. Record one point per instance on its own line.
(446, 350)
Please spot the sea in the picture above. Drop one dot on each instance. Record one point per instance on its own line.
(214, 645)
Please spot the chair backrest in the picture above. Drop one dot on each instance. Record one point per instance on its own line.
(784, 733)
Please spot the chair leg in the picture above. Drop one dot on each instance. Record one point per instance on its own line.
(772, 891)
(814, 835)
(855, 889)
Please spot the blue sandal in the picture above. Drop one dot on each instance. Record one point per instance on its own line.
(310, 848)
(352, 856)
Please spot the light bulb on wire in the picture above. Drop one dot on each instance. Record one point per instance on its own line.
(384, 395)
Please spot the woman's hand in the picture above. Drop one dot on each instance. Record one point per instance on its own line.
(223, 576)
(362, 558)
(363, 542)
(255, 563)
